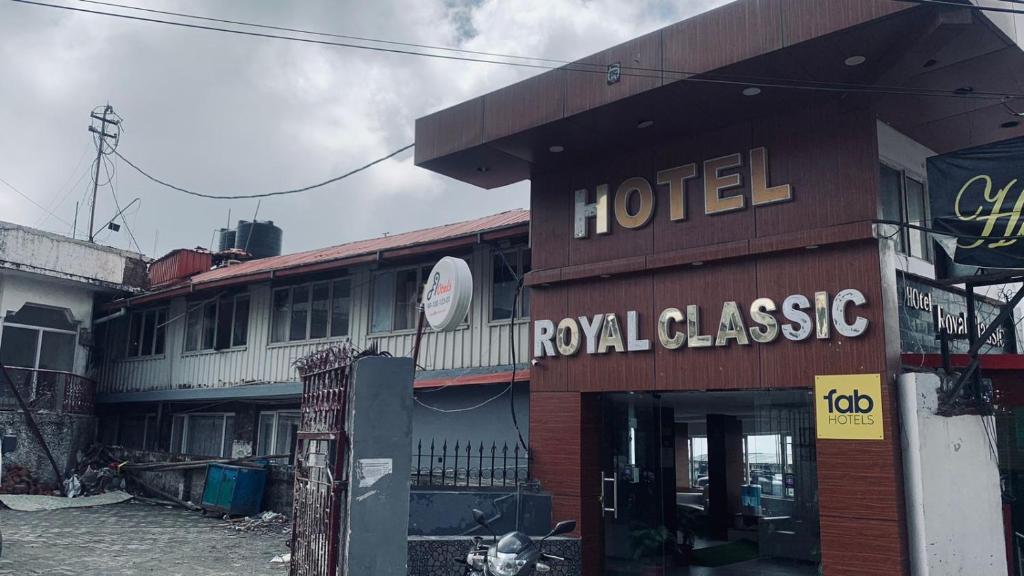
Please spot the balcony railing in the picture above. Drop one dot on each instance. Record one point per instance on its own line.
(49, 390)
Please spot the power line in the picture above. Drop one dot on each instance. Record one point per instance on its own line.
(27, 197)
(325, 34)
(653, 73)
(969, 6)
(266, 194)
(597, 67)
(113, 192)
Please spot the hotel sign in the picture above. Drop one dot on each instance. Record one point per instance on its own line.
(849, 407)
(633, 202)
(925, 309)
(802, 318)
(977, 196)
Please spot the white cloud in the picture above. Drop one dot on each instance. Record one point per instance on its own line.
(224, 114)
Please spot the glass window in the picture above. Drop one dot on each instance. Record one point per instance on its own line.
(407, 289)
(134, 334)
(209, 324)
(507, 267)
(300, 313)
(265, 435)
(18, 347)
(383, 296)
(917, 206)
(229, 436)
(320, 310)
(287, 430)
(240, 330)
(177, 433)
(148, 331)
(57, 352)
(193, 326)
(341, 307)
(161, 331)
(279, 322)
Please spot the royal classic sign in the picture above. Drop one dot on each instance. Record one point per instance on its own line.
(675, 329)
(634, 198)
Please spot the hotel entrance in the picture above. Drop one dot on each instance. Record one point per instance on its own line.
(709, 483)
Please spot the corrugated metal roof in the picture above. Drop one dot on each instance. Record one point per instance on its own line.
(366, 247)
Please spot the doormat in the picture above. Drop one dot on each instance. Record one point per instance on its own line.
(29, 503)
(725, 554)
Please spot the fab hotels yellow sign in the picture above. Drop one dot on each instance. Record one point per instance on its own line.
(849, 407)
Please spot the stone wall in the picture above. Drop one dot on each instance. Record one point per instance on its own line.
(65, 435)
(436, 555)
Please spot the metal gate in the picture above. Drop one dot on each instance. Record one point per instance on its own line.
(321, 478)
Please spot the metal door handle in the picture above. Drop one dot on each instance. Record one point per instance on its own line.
(615, 495)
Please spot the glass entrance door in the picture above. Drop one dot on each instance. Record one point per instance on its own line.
(638, 479)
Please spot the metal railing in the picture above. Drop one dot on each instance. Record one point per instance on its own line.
(466, 465)
(49, 390)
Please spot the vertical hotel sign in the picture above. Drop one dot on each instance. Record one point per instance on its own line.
(849, 407)
(977, 196)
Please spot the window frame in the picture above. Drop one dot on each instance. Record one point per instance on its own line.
(199, 308)
(273, 450)
(904, 233)
(519, 251)
(309, 286)
(423, 272)
(39, 344)
(157, 326)
(185, 417)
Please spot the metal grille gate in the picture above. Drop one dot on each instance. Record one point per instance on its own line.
(321, 478)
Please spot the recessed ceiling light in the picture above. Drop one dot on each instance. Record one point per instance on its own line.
(751, 91)
(482, 168)
(964, 90)
(811, 246)
(1010, 124)
(645, 124)
(556, 148)
(606, 275)
(697, 263)
(854, 60)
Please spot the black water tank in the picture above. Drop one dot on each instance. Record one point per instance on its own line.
(227, 240)
(261, 239)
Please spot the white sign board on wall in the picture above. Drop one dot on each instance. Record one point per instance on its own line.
(447, 293)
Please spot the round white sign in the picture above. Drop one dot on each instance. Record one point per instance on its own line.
(447, 293)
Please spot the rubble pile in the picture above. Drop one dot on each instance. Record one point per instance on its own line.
(18, 480)
(266, 523)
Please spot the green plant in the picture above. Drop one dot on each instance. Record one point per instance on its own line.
(649, 543)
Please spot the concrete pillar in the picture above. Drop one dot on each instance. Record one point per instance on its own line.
(951, 480)
(725, 471)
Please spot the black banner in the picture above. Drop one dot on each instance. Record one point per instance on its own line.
(926, 307)
(977, 195)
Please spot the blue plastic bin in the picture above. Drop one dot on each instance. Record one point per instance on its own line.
(234, 490)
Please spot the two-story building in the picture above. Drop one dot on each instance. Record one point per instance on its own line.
(202, 364)
(724, 311)
(48, 286)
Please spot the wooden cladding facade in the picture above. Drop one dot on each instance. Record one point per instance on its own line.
(819, 241)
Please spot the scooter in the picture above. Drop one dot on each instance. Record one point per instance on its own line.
(515, 554)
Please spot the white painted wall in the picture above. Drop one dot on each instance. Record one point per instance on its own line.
(19, 288)
(951, 480)
(50, 254)
(480, 343)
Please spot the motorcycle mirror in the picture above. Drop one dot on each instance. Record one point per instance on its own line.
(482, 520)
(563, 527)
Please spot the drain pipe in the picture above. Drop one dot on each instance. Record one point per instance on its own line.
(913, 486)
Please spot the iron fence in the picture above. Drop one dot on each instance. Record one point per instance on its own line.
(469, 466)
(49, 390)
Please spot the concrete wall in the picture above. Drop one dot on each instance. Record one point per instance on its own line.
(489, 423)
(951, 478)
(65, 435)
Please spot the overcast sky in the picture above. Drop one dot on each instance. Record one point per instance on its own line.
(228, 114)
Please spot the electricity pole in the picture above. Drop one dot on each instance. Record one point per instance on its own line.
(107, 118)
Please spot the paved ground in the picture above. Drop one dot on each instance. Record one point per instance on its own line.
(132, 539)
